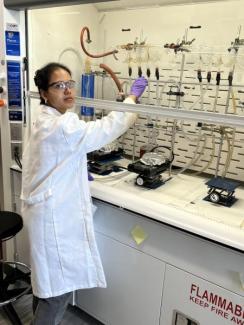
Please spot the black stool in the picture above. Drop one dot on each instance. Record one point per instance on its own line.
(14, 276)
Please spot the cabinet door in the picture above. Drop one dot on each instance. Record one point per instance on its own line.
(189, 300)
(134, 286)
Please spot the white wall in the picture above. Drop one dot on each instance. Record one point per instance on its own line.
(54, 29)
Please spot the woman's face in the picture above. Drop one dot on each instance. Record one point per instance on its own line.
(61, 91)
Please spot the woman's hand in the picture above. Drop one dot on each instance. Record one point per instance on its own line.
(138, 87)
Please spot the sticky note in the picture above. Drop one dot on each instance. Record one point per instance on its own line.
(138, 234)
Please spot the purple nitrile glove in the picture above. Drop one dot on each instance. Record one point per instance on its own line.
(138, 87)
(90, 177)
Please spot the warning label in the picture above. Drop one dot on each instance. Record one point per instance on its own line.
(217, 304)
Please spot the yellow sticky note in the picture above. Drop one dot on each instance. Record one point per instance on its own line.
(138, 234)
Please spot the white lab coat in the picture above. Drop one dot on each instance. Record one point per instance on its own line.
(57, 207)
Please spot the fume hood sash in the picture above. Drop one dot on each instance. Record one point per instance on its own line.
(229, 120)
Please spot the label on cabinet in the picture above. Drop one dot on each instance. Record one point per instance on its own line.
(192, 300)
(221, 305)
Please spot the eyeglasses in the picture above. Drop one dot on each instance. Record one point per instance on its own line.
(62, 85)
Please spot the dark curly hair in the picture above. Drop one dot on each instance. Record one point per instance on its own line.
(43, 76)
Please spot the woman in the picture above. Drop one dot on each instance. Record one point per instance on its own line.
(57, 207)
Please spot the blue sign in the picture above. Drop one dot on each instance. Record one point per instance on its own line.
(12, 43)
(14, 84)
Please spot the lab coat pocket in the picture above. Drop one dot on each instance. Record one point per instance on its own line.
(42, 193)
(38, 198)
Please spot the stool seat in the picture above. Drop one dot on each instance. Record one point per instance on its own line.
(14, 276)
(10, 224)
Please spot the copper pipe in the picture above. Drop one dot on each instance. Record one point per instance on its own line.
(89, 41)
(112, 74)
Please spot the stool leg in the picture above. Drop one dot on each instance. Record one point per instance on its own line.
(12, 315)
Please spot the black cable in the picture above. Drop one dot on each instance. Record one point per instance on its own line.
(17, 159)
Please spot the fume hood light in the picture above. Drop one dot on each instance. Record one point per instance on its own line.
(143, 7)
(71, 13)
(158, 4)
